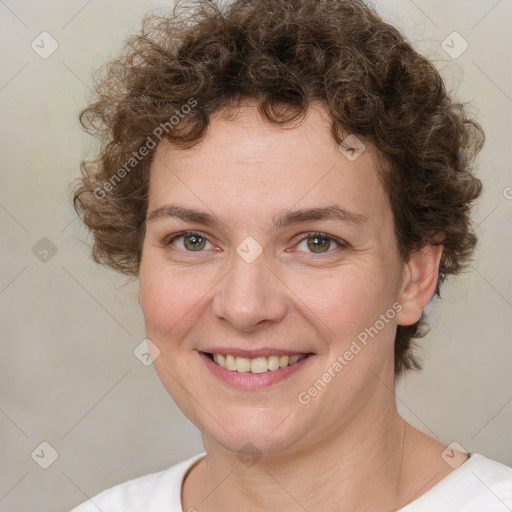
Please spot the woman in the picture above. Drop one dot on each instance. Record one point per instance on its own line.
(291, 184)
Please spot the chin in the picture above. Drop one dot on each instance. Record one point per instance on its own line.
(264, 434)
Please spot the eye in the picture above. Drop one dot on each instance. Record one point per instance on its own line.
(191, 241)
(319, 243)
(316, 243)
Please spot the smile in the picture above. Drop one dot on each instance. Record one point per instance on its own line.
(256, 365)
(254, 373)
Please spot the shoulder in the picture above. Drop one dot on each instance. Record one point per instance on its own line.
(152, 492)
(478, 484)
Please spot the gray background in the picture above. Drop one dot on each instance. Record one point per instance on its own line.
(68, 375)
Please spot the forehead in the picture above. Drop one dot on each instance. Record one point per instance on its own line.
(247, 166)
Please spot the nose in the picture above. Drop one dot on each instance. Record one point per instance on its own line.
(250, 295)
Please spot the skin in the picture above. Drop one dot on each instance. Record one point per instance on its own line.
(348, 448)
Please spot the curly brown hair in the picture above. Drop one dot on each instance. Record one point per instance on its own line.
(204, 58)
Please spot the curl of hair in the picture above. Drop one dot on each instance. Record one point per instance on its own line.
(285, 54)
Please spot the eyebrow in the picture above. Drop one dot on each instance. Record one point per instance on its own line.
(281, 220)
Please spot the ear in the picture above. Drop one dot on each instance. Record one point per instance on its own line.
(419, 280)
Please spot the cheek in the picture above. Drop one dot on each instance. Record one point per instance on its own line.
(344, 302)
(168, 300)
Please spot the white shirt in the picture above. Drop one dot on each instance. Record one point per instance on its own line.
(478, 485)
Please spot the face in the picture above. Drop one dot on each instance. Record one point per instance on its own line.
(251, 277)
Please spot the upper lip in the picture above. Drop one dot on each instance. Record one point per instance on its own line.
(252, 354)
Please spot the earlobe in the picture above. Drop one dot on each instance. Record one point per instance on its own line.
(419, 282)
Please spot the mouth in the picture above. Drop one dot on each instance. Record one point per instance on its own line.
(254, 373)
(261, 364)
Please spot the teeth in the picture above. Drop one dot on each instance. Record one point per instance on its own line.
(230, 363)
(272, 362)
(243, 364)
(257, 365)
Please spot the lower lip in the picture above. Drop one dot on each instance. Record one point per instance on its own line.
(249, 380)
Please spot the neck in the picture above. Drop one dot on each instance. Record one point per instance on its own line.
(357, 467)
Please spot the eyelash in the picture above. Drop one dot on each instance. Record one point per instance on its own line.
(341, 243)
